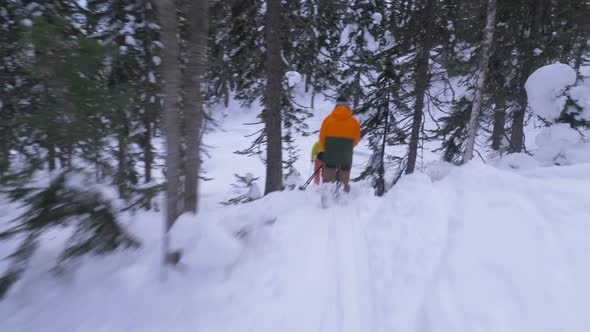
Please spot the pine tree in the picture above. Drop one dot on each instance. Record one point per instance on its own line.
(422, 80)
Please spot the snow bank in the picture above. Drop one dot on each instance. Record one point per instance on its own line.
(546, 89)
(513, 257)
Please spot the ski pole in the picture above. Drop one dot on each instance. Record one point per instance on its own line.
(310, 178)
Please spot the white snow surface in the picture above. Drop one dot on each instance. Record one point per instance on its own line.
(487, 248)
(546, 89)
(481, 249)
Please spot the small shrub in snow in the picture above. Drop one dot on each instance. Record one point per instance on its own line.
(555, 96)
(247, 188)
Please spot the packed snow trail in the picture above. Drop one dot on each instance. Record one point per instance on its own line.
(465, 249)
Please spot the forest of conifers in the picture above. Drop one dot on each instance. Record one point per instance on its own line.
(92, 90)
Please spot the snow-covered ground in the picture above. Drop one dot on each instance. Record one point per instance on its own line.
(499, 247)
(480, 249)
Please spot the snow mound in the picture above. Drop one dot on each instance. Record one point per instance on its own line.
(207, 245)
(293, 78)
(546, 89)
(554, 143)
(377, 18)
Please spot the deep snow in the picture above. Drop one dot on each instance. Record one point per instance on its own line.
(479, 249)
(499, 247)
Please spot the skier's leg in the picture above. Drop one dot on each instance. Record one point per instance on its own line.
(329, 174)
(344, 177)
(318, 165)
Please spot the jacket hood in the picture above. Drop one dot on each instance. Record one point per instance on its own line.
(342, 112)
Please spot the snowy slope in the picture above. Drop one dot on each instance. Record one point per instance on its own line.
(481, 249)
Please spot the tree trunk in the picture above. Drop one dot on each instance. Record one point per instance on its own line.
(499, 122)
(51, 156)
(486, 51)
(517, 134)
(198, 26)
(357, 84)
(272, 98)
(422, 81)
(171, 76)
(579, 54)
(148, 154)
(381, 170)
(122, 173)
(4, 152)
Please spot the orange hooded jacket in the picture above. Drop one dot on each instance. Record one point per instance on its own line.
(340, 123)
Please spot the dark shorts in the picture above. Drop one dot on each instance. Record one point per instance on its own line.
(320, 156)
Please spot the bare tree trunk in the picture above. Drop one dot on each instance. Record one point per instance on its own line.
(171, 76)
(486, 51)
(422, 81)
(272, 98)
(499, 122)
(357, 84)
(198, 26)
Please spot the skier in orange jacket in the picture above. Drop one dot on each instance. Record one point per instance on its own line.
(339, 134)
